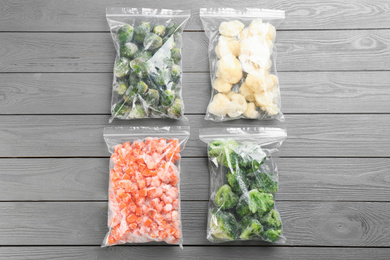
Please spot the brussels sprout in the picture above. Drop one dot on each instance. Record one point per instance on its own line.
(125, 33)
(133, 79)
(152, 41)
(121, 68)
(167, 98)
(152, 98)
(120, 88)
(146, 55)
(162, 78)
(159, 30)
(175, 55)
(171, 28)
(128, 49)
(176, 72)
(120, 109)
(176, 109)
(137, 112)
(141, 87)
(130, 95)
(141, 67)
(141, 31)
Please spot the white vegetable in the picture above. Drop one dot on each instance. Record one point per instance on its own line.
(232, 28)
(227, 45)
(237, 105)
(220, 105)
(230, 94)
(222, 86)
(251, 111)
(247, 92)
(229, 69)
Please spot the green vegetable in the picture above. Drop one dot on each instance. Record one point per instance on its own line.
(130, 95)
(133, 79)
(271, 235)
(152, 41)
(120, 109)
(176, 72)
(168, 62)
(137, 112)
(120, 88)
(223, 226)
(128, 49)
(146, 55)
(152, 98)
(265, 182)
(175, 55)
(125, 33)
(238, 181)
(141, 31)
(141, 67)
(141, 87)
(176, 109)
(254, 201)
(162, 78)
(271, 220)
(167, 98)
(225, 198)
(159, 30)
(171, 28)
(251, 227)
(121, 68)
(222, 149)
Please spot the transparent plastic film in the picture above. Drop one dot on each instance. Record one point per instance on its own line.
(243, 183)
(147, 80)
(144, 184)
(242, 56)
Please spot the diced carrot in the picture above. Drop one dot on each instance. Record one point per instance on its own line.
(138, 211)
(132, 218)
(147, 222)
(142, 193)
(111, 240)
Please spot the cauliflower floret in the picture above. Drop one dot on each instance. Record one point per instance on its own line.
(227, 45)
(247, 92)
(230, 94)
(232, 28)
(222, 86)
(244, 34)
(220, 105)
(251, 111)
(229, 69)
(272, 110)
(265, 30)
(237, 105)
(256, 83)
(266, 101)
(271, 81)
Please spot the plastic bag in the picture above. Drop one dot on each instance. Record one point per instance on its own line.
(144, 184)
(243, 183)
(147, 69)
(242, 56)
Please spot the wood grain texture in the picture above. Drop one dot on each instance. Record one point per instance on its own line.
(210, 252)
(304, 223)
(302, 92)
(309, 135)
(309, 179)
(73, 15)
(297, 51)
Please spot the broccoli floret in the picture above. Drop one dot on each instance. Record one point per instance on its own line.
(254, 201)
(223, 226)
(175, 72)
(141, 87)
(159, 30)
(250, 227)
(225, 198)
(152, 41)
(152, 98)
(238, 181)
(121, 68)
(221, 149)
(176, 109)
(137, 112)
(175, 55)
(120, 88)
(142, 68)
(167, 98)
(128, 49)
(125, 33)
(271, 235)
(271, 220)
(265, 182)
(141, 31)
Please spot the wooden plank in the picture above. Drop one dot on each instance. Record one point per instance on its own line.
(312, 179)
(302, 92)
(297, 51)
(309, 135)
(210, 252)
(56, 15)
(305, 223)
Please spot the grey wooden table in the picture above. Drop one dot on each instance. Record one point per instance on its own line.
(56, 61)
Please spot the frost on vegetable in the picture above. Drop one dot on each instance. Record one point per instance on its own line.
(223, 226)
(225, 198)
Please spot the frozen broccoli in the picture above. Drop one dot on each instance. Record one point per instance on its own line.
(265, 182)
(141, 67)
(167, 98)
(223, 226)
(176, 109)
(141, 31)
(271, 220)
(250, 227)
(125, 33)
(254, 201)
(152, 98)
(225, 198)
(121, 68)
(175, 72)
(222, 149)
(120, 88)
(175, 55)
(238, 181)
(141, 87)
(152, 41)
(137, 112)
(271, 235)
(159, 30)
(128, 49)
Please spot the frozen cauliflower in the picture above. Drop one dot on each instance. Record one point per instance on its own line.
(265, 100)
(227, 45)
(237, 105)
(251, 111)
(247, 92)
(229, 69)
(261, 83)
(232, 28)
(265, 30)
(220, 105)
(222, 86)
(230, 94)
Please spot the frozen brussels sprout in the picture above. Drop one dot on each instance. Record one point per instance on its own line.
(133, 79)
(162, 78)
(141, 31)
(152, 41)
(120, 88)
(175, 72)
(120, 109)
(175, 55)
(229, 69)
(128, 49)
(171, 29)
(125, 33)
(137, 111)
(141, 87)
(146, 55)
(152, 98)
(167, 97)
(142, 68)
(159, 30)
(130, 95)
(121, 68)
(176, 109)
